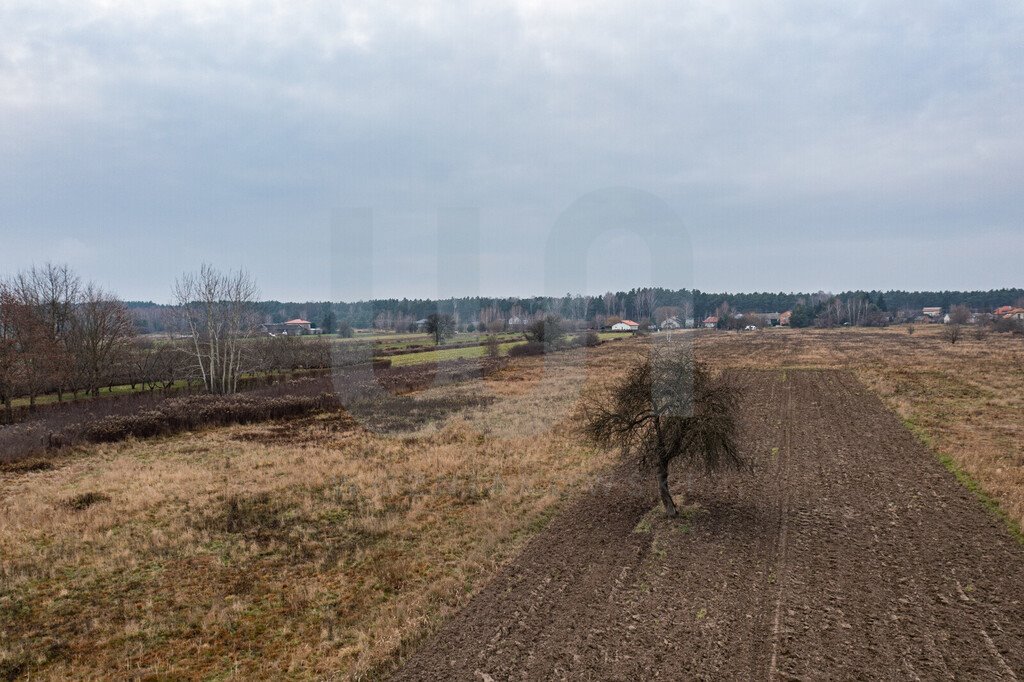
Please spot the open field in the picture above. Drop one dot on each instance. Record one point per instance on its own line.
(301, 548)
(848, 553)
(964, 400)
(323, 547)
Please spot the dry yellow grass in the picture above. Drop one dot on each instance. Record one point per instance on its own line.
(312, 549)
(965, 400)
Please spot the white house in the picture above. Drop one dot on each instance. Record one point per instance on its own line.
(625, 326)
(671, 323)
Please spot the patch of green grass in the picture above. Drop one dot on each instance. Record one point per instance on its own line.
(447, 354)
(966, 480)
(608, 336)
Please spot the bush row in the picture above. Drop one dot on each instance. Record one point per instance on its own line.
(193, 412)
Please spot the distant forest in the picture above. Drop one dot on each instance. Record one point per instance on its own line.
(639, 304)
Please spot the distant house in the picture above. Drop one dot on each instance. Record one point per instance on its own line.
(1009, 312)
(711, 322)
(515, 322)
(934, 312)
(421, 325)
(784, 318)
(773, 319)
(625, 326)
(671, 323)
(296, 327)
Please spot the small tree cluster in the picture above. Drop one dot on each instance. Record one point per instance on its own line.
(58, 335)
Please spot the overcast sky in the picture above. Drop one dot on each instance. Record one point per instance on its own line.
(797, 145)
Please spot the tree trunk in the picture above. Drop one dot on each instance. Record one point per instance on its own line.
(666, 495)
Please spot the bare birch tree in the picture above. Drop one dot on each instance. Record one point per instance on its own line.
(218, 311)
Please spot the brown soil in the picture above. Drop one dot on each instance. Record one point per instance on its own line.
(848, 553)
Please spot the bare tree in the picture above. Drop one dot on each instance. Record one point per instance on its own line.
(9, 355)
(440, 326)
(959, 314)
(953, 333)
(666, 407)
(611, 304)
(645, 299)
(218, 311)
(102, 328)
(39, 356)
(548, 330)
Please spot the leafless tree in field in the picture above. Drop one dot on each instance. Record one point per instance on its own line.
(102, 329)
(953, 332)
(666, 407)
(218, 311)
(441, 326)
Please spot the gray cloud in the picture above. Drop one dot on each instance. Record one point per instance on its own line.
(803, 145)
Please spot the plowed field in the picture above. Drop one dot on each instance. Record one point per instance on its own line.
(848, 553)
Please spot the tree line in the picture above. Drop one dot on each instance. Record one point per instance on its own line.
(62, 336)
(639, 304)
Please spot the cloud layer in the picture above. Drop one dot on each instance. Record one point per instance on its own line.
(804, 145)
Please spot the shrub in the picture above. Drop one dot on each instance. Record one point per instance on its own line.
(550, 330)
(85, 500)
(187, 414)
(588, 339)
(1008, 325)
(492, 347)
(526, 349)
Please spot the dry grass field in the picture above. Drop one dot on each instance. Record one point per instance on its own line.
(305, 548)
(320, 548)
(965, 400)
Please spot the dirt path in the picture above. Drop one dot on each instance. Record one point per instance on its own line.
(849, 553)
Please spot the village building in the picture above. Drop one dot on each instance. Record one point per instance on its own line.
(671, 323)
(296, 327)
(625, 326)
